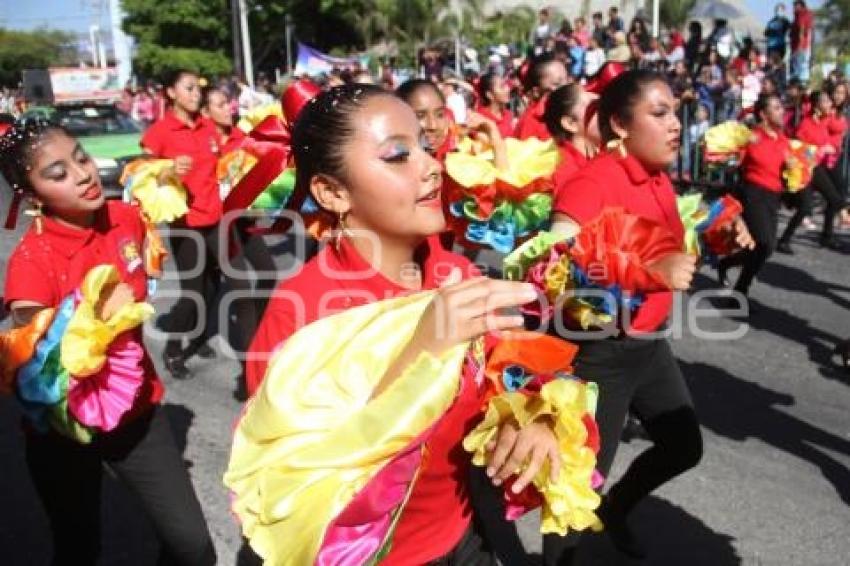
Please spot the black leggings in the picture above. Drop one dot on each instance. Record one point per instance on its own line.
(198, 263)
(828, 183)
(642, 375)
(761, 213)
(471, 550)
(143, 455)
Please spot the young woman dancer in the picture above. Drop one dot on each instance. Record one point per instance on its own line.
(565, 119)
(493, 98)
(358, 154)
(74, 231)
(760, 191)
(636, 369)
(545, 75)
(251, 253)
(183, 135)
(814, 129)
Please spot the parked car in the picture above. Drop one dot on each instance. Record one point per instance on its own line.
(109, 135)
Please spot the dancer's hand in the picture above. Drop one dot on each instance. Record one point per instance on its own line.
(182, 165)
(112, 299)
(463, 311)
(677, 270)
(531, 445)
(742, 234)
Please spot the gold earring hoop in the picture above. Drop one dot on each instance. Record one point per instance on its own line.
(35, 211)
(340, 230)
(618, 145)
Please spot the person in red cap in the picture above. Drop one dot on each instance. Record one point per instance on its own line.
(545, 74)
(115, 427)
(184, 136)
(634, 368)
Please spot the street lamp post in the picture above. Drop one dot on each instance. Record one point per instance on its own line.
(246, 43)
(237, 41)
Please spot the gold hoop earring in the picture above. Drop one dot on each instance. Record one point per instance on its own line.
(36, 213)
(618, 145)
(340, 230)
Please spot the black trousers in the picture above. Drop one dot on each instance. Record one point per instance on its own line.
(761, 213)
(143, 455)
(642, 375)
(471, 550)
(199, 265)
(823, 181)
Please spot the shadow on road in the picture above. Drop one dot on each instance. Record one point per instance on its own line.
(739, 409)
(820, 344)
(799, 280)
(670, 534)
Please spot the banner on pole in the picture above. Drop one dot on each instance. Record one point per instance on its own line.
(313, 62)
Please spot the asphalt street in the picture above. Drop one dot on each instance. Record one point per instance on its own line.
(773, 486)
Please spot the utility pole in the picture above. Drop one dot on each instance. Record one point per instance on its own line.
(120, 43)
(288, 28)
(246, 43)
(656, 20)
(237, 41)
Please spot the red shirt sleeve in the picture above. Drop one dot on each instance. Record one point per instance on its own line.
(277, 325)
(152, 139)
(26, 279)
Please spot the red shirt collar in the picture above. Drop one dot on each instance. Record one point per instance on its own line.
(571, 152)
(174, 123)
(636, 172)
(67, 240)
(368, 279)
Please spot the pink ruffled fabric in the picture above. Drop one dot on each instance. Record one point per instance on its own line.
(359, 531)
(101, 400)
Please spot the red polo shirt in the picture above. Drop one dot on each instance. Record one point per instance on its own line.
(438, 511)
(814, 131)
(531, 124)
(610, 181)
(836, 126)
(505, 121)
(228, 143)
(764, 159)
(45, 268)
(572, 160)
(169, 138)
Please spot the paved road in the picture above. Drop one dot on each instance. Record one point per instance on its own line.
(773, 488)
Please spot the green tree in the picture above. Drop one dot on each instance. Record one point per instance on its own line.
(192, 34)
(675, 12)
(835, 18)
(36, 49)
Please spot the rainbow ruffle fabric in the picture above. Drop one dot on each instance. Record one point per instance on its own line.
(73, 371)
(491, 207)
(256, 115)
(799, 165)
(593, 275)
(725, 143)
(530, 378)
(708, 227)
(314, 432)
(153, 185)
(233, 166)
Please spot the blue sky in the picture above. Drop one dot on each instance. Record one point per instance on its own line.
(78, 15)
